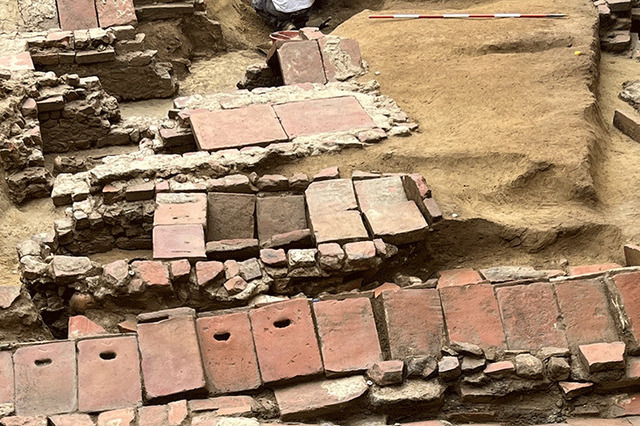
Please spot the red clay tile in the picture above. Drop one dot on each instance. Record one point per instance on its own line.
(472, 315)
(458, 277)
(603, 356)
(228, 353)
(348, 336)
(152, 415)
(285, 340)
(77, 14)
(301, 62)
(6, 377)
(590, 269)
(17, 62)
(108, 374)
(629, 287)
(382, 191)
(115, 12)
(192, 213)
(80, 326)
(152, 273)
(178, 242)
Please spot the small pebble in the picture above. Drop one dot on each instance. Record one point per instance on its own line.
(454, 215)
(377, 73)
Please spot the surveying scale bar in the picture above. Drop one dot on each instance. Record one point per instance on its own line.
(468, 15)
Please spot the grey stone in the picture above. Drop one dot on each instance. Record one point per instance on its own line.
(411, 391)
(528, 366)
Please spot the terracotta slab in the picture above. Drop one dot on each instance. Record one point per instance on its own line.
(77, 14)
(108, 374)
(228, 353)
(338, 227)
(400, 223)
(472, 315)
(115, 12)
(45, 378)
(230, 216)
(192, 212)
(170, 352)
(585, 310)
(179, 242)
(376, 192)
(301, 62)
(17, 62)
(285, 339)
(413, 322)
(348, 335)
(323, 116)
(629, 287)
(279, 215)
(330, 196)
(6, 377)
(530, 317)
(236, 128)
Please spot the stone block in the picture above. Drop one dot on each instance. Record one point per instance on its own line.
(412, 322)
(194, 211)
(115, 12)
(236, 128)
(228, 353)
(372, 193)
(400, 223)
(285, 339)
(530, 316)
(603, 356)
(77, 14)
(310, 399)
(301, 62)
(230, 216)
(108, 374)
(179, 242)
(279, 215)
(472, 315)
(528, 366)
(628, 123)
(585, 310)
(45, 379)
(348, 336)
(170, 353)
(458, 277)
(323, 116)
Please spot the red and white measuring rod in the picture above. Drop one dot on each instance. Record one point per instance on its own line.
(468, 15)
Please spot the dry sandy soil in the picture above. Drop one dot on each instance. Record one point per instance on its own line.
(512, 136)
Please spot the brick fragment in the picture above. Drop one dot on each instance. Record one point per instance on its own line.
(235, 285)
(122, 417)
(347, 333)
(572, 390)
(500, 369)
(25, 421)
(236, 248)
(458, 277)
(361, 255)
(114, 12)
(632, 254)
(592, 269)
(628, 286)
(385, 373)
(6, 378)
(153, 273)
(328, 173)
(603, 356)
(331, 256)
(285, 340)
(177, 412)
(140, 192)
(272, 183)
(208, 272)
(71, 420)
(152, 415)
(224, 405)
(449, 368)
(80, 326)
(179, 270)
(273, 257)
(400, 223)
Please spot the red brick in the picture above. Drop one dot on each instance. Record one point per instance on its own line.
(171, 361)
(153, 415)
(224, 405)
(190, 213)
(25, 421)
(629, 287)
(338, 227)
(458, 277)
(629, 406)
(573, 389)
(285, 340)
(80, 326)
(179, 270)
(152, 273)
(472, 315)
(279, 215)
(71, 420)
(530, 316)
(272, 183)
(140, 192)
(596, 422)
(123, 417)
(115, 12)
(331, 196)
(323, 116)
(273, 258)
(77, 14)
(603, 356)
(385, 373)
(413, 322)
(108, 374)
(591, 269)
(179, 241)
(301, 62)
(376, 192)
(328, 173)
(6, 378)
(585, 311)
(45, 378)
(208, 272)
(235, 128)
(348, 336)
(17, 62)
(500, 369)
(177, 412)
(228, 353)
(400, 223)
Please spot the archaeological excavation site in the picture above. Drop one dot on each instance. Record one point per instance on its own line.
(319, 212)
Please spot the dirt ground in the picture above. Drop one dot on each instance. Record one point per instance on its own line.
(512, 140)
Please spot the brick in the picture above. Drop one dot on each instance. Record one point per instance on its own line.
(433, 211)
(279, 215)
(192, 212)
(25, 421)
(530, 316)
(412, 321)
(71, 420)
(170, 352)
(338, 227)
(177, 412)
(95, 56)
(143, 191)
(458, 277)
(309, 399)
(6, 378)
(108, 374)
(152, 12)
(17, 62)
(272, 183)
(45, 379)
(152, 273)
(301, 62)
(573, 389)
(592, 269)
(323, 116)
(208, 272)
(115, 12)
(603, 356)
(629, 287)
(293, 239)
(585, 310)
(236, 248)
(632, 254)
(285, 340)
(236, 128)
(328, 173)
(178, 242)
(619, 5)
(500, 369)
(331, 256)
(348, 336)
(273, 257)
(629, 406)
(361, 255)
(335, 195)
(179, 270)
(152, 415)
(81, 326)
(77, 14)
(52, 103)
(472, 315)
(378, 192)
(400, 223)
(230, 216)
(385, 373)
(228, 353)
(224, 405)
(122, 417)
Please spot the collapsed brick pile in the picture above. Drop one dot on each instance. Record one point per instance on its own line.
(411, 353)
(617, 19)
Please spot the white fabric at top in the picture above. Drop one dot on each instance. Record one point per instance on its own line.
(290, 6)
